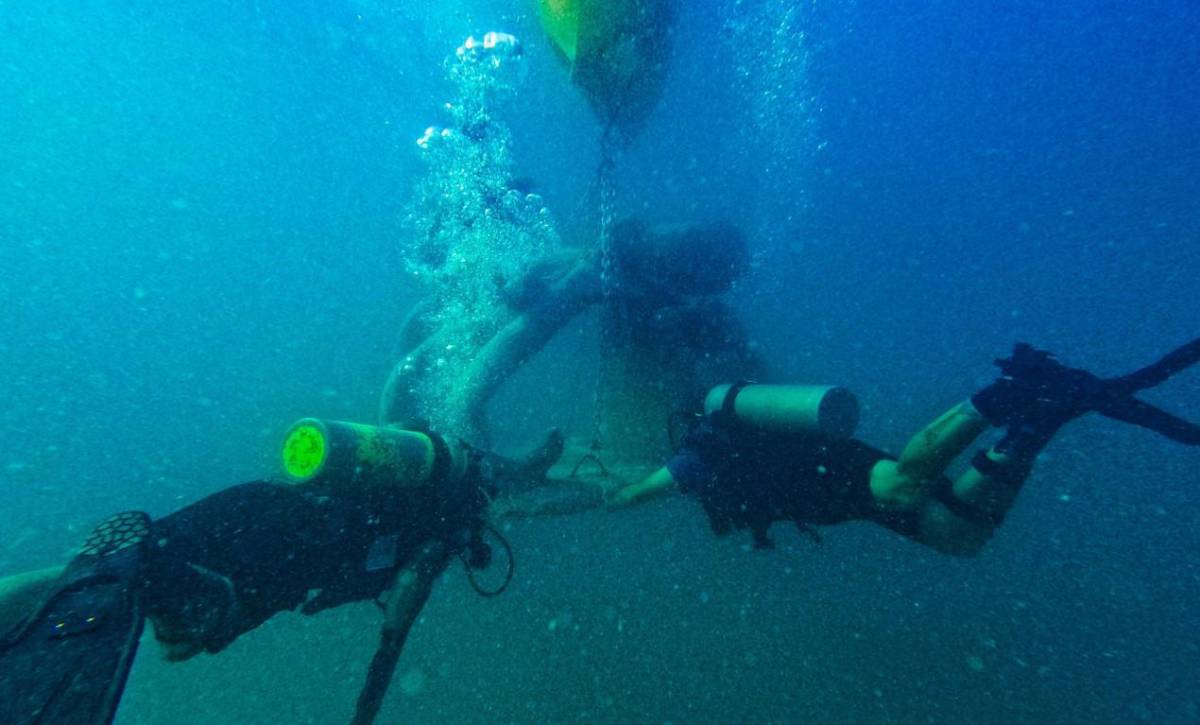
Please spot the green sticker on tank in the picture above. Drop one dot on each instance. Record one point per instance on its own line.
(304, 451)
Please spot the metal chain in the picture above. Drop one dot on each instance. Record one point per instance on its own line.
(606, 183)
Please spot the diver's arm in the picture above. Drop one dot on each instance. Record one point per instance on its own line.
(656, 484)
(408, 595)
(555, 497)
(572, 284)
(526, 333)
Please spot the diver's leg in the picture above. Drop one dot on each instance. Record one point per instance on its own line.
(931, 450)
(21, 593)
(960, 517)
(1034, 397)
(903, 483)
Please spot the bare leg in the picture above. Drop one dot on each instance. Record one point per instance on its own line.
(20, 594)
(962, 517)
(957, 519)
(903, 484)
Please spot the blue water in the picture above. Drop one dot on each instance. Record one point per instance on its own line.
(201, 218)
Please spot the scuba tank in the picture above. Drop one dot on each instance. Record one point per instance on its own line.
(357, 458)
(827, 409)
(378, 461)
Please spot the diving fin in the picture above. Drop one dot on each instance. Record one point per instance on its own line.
(1140, 413)
(1038, 394)
(68, 661)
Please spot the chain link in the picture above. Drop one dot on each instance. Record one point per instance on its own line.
(609, 322)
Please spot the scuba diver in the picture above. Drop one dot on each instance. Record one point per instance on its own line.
(764, 453)
(363, 511)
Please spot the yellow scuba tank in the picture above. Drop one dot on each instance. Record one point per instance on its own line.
(828, 409)
(617, 51)
(357, 458)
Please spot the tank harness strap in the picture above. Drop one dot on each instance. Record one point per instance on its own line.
(441, 459)
(725, 415)
(463, 502)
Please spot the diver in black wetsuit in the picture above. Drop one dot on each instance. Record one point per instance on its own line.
(365, 512)
(748, 478)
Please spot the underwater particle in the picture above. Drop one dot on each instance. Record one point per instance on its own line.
(975, 663)
(139, 293)
(180, 204)
(412, 682)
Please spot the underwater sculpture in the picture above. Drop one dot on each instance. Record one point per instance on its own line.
(498, 282)
(667, 283)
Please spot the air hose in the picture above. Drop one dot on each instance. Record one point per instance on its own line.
(508, 576)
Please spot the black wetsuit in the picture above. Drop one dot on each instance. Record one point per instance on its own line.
(220, 567)
(227, 563)
(748, 479)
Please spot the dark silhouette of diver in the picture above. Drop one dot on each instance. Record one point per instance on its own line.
(747, 477)
(367, 512)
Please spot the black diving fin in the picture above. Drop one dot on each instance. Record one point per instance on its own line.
(1038, 394)
(1124, 407)
(67, 662)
